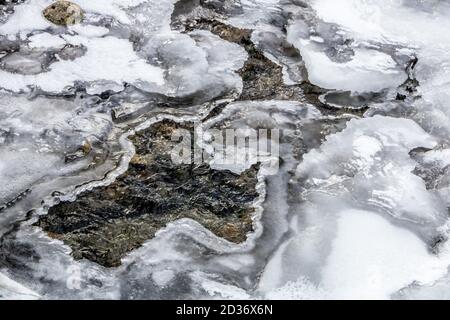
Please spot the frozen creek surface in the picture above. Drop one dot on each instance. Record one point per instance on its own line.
(359, 89)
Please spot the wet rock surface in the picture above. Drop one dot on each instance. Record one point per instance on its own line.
(63, 13)
(104, 224)
(263, 78)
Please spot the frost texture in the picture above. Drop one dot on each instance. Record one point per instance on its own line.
(358, 209)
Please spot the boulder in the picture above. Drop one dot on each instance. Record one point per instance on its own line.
(63, 13)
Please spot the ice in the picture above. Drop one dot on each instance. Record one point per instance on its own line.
(66, 278)
(36, 134)
(96, 64)
(256, 13)
(369, 258)
(246, 118)
(302, 289)
(357, 209)
(418, 27)
(384, 258)
(367, 71)
(164, 61)
(11, 290)
(212, 72)
(267, 19)
(348, 254)
(336, 61)
(46, 40)
(434, 291)
(27, 17)
(114, 8)
(362, 174)
(440, 158)
(364, 211)
(218, 289)
(371, 160)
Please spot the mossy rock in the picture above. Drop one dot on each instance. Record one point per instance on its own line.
(64, 13)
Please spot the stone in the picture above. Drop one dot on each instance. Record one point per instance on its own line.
(104, 224)
(64, 13)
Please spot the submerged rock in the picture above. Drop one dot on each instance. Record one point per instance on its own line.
(63, 13)
(104, 224)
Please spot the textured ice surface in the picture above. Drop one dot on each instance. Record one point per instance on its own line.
(359, 178)
(246, 118)
(358, 209)
(369, 258)
(166, 61)
(12, 290)
(335, 60)
(107, 59)
(359, 204)
(36, 134)
(370, 159)
(415, 26)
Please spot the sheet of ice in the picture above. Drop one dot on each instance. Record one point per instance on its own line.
(348, 253)
(245, 118)
(438, 290)
(11, 290)
(112, 8)
(255, 13)
(26, 18)
(369, 258)
(69, 279)
(211, 72)
(361, 224)
(439, 157)
(367, 71)
(383, 259)
(107, 59)
(35, 136)
(46, 40)
(163, 61)
(408, 22)
(415, 26)
(371, 160)
(364, 46)
(366, 221)
(335, 60)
